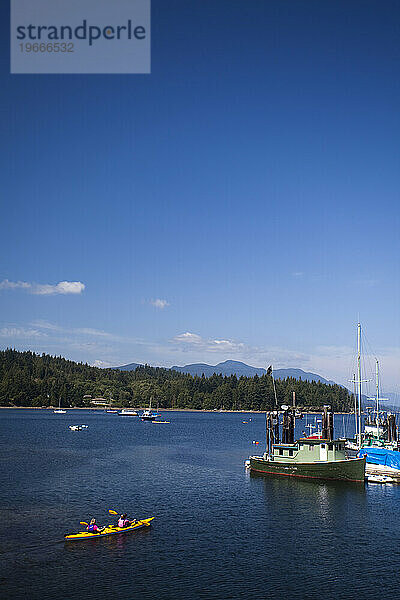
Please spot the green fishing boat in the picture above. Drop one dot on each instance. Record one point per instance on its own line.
(315, 457)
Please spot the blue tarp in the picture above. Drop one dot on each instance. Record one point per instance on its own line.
(381, 456)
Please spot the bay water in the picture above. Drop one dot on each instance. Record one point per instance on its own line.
(219, 533)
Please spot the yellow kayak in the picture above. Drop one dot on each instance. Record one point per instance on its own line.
(109, 530)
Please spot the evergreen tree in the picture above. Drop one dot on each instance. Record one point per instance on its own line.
(29, 379)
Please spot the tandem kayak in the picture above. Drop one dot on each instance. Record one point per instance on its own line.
(109, 530)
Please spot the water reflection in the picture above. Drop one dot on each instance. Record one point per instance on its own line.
(297, 483)
(321, 500)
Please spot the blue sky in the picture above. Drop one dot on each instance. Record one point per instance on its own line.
(250, 183)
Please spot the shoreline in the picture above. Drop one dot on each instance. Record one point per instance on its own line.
(194, 410)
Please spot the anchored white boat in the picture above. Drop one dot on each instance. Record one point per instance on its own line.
(59, 410)
(148, 415)
(128, 413)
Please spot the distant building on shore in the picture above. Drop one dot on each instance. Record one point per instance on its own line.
(100, 402)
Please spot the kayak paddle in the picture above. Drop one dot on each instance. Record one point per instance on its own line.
(113, 512)
(83, 523)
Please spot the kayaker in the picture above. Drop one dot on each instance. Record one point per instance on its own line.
(120, 521)
(93, 528)
(123, 521)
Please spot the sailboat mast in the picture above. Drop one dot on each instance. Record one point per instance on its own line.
(355, 404)
(359, 381)
(377, 399)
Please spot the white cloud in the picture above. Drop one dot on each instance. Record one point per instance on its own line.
(63, 287)
(41, 324)
(102, 364)
(81, 331)
(77, 332)
(12, 332)
(14, 285)
(188, 338)
(226, 344)
(159, 303)
(191, 347)
(91, 331)
(340, 363)
(46, 289)
(193, 340)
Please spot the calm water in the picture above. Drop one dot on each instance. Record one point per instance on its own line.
(218, 533)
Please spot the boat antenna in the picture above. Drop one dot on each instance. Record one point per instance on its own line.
(270, 371)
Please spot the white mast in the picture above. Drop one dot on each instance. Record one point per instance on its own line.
(355, 404)
(359, 382)
(377, 398)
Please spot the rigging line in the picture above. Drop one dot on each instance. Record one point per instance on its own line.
(369, 348)
(352, 364)
(373, 353)
(367, 363)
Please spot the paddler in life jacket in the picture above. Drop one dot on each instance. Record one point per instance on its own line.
(123, 521)
(93, 528)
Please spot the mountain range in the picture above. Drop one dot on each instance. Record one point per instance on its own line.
(234, 367)
(130, 367)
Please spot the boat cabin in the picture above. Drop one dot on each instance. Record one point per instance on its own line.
(308, 450)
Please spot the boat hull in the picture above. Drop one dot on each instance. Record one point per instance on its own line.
(110, 530)
(346, 470)
(128, 415)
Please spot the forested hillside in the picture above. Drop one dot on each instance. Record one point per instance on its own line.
(28, 379)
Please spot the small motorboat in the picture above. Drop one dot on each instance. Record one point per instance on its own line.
(59, 410)
(128, 413)
(147, 415)
(77, 427)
